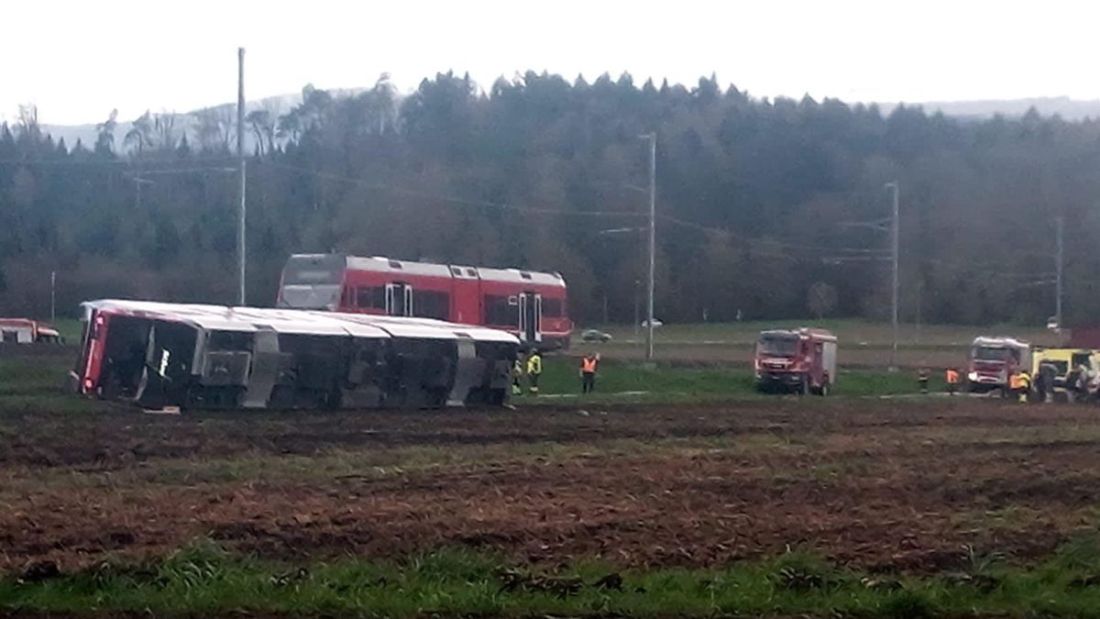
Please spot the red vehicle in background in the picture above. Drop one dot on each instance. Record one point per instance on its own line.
(799, 360)
(993, 361)
(528, 304)
(26, 331)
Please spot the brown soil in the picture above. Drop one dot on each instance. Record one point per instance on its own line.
(884, 485)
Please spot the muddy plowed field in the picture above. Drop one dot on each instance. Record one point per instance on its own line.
(892, 485)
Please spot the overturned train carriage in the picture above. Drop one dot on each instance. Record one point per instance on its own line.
(210, 357)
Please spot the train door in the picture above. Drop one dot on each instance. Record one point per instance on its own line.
(399, 299)
(530, 317)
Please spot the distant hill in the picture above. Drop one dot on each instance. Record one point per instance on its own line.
(277, 105)
(1069, 109)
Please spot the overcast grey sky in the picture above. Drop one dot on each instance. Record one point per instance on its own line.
(78, 59)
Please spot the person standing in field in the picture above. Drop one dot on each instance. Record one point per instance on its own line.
(534, 371)
(517, 376)
(1020, 384)
(922, 380)
(952, 379)
(590, 364)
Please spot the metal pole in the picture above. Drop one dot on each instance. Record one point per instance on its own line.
(637, 305)
(240, 156)
(1058, 257)
(895, 246)
(53, 296)
(652, 243)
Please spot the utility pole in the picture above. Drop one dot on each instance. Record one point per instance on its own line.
(1059, 257)
(241, 165)
(53, 296)
(895, 244)
(652, 137)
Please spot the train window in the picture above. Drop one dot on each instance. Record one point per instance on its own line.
(431, 304)
(471, 272)
(229, 341)
(498, 311)
(457, 271)
(395, 264)
(525, 275)
(552, 308)
(370, 298)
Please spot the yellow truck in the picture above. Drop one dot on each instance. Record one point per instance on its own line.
(1063, 368)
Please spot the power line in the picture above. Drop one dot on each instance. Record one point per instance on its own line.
(170, 171)
(449, 199)
(118, 163)
(772, 242)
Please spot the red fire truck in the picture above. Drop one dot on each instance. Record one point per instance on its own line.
(800, 360)
(993, 360)
(529, 304)
(25, 331)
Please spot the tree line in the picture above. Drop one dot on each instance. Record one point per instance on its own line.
(768, 209)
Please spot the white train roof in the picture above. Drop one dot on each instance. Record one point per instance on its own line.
(380, 264)
(518, 276)
(251, 319)
(427, 327)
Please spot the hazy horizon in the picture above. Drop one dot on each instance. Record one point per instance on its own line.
(137, 58)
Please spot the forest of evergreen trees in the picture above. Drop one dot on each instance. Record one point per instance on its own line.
(763, 204)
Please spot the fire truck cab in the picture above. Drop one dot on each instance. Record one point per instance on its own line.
(993, 360)
(798, 360)
(25, 331)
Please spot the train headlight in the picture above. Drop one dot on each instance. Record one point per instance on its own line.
(973, 376)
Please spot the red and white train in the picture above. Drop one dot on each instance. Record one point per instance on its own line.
(529, 304)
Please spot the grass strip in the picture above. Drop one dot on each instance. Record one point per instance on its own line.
(203, 579)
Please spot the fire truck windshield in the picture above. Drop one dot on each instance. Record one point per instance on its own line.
(779, 346)
(990, 353)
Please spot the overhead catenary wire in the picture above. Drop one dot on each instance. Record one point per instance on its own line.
(773, 243)
(450, 199)
(112, 163)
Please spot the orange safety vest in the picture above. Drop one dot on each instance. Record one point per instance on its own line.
(588, 365)
(1015, 382)
(952, 377)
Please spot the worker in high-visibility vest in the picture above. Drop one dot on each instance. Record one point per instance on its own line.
(590, 364)
(534, 371)
(952, 379)
(1020, 384)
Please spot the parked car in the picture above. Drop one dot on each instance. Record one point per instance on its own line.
(656, 323)
(595, 335)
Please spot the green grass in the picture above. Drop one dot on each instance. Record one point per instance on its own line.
(32, 375)
(204, 579)
(850, 332)
(69, 328)
(621, 380)
(38, 383)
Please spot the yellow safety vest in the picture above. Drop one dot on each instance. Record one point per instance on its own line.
(534, 364)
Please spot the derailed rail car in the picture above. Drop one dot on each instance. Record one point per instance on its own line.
(215, 357)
